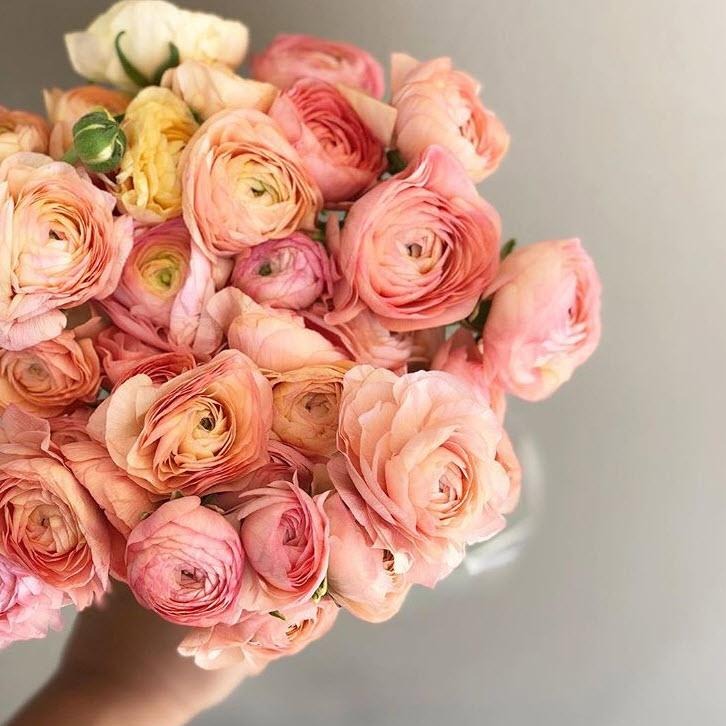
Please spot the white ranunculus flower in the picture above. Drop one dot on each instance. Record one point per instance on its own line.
(149, 26)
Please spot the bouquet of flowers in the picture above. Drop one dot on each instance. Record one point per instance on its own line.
(256, 334)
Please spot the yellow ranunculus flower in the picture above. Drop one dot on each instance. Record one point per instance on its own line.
(158, 126)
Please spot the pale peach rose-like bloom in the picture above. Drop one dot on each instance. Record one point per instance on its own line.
(461, 356)
(284, 533)
(158, 126)
(60, 246)
(196, 434)
(276, 340)
(185, 562)
(51, 525)
(544, 319)
(244, 184)
(149, 27)
(259, 638)
(340, 133)
(305, 404)
(28, 607)
(64, 108)
(22, 131)
(418, 249)
(165, 284)
(49, 377)
(289, 273)
(438, 104)
(361, 577)
(400, 434)
(292, 57)
(363, 338)
(211, 87)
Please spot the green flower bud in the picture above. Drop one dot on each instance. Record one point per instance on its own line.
(98, 141)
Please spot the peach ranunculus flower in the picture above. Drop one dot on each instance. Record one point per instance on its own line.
(418, 249)
(289, 273)
(361, 577)
(340, 133)
(50, 523)
(276, 340)
(211, 87)
(438, 104)
(363, 338)
(119, 352)
(292, 57)
(28, 607)
(64, 108)
(22, 131)
(259, 638)
(164, 287)
(185, 562)
(400, 434)
(284, 532)
(149, 27)
(544, 319)
(158, 126)
(50, 377)
(244, 184)
(305, 404)
(196, 434)
(60, 246)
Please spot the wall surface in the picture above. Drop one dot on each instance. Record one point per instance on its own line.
(613, 613)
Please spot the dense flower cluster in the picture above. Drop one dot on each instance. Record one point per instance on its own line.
(225, 376)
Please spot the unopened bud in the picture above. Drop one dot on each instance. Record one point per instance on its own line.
(98, 141)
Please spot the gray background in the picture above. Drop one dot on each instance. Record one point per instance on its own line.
(613, 615)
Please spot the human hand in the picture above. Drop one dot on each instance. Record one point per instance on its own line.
(120, 666)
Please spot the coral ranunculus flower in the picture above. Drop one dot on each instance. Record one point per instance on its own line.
(196, 434)
(60, 246)
(22, 131)
(244, 184)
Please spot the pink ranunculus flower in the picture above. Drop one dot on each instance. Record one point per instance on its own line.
(438, 104)
(22, 131)
(243, 183)
(50, 523)
(287, 273)
(400, 434)
(461, 356)
(211, 87)
(363, 338)
(276, 340)
(70, 427)
(340, 133)
(28, 607)
(164, 287)
(60, 246)
(544, 319)
(50, 377)
(185, 562)
(64, 108)
(361, 577)
(195, 434)
(290, 58)
(418, 249)
(284, 532)
(259, 638)
(120, 352)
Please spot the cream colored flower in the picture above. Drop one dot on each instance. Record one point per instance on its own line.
(149, 27)
(158, 126)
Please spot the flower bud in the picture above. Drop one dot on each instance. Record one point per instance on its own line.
(98, 141)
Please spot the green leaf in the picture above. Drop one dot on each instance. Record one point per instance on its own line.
(171, 62)
(396, 162)
(507, 248)
(134, 74)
